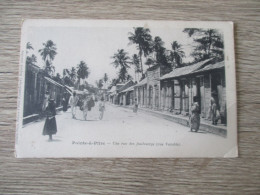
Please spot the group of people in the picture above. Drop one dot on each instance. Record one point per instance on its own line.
(85, 104)
(213, 114)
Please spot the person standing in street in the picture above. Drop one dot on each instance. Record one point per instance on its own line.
(195, 115)
(50, 126)
(135, 106)
(73, 103)
(101, 108)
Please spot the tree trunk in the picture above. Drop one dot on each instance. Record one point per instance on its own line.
(140, 54)
(210, 42)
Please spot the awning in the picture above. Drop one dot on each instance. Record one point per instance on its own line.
(113, 89)
(125, 86)
(81, 92)
(69, 89)
(211, 67)
(129, 89)
(142, 82)
(184, 70)
(53, 82)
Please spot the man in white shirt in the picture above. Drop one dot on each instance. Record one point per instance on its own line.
(73, 103)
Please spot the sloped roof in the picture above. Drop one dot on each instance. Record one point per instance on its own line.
(125, 86)
(129, 89)
(184, 70)
(142, 82)
(69, 89)
(113, 89)
(53, 82)
(211, 67)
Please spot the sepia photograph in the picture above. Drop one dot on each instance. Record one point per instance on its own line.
(126, 89)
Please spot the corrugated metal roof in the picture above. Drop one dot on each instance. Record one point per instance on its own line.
(113, 89)
(184, 70)
(126, 85)
(53, 82)
(142, 82)
(129, 89)
(211, 67)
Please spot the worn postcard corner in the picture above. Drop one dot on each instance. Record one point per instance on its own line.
(135, 89)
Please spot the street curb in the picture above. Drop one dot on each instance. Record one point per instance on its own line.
(221, 131)
(34, 117)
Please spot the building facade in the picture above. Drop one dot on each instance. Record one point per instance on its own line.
(36, 86)
(179, 87)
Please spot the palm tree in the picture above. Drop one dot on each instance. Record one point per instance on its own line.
(136, 63)
(57, 78)
(121, 61)
(105, 77)
(66, 77)
(31, 60)
(72, 74)
(99, 84)
(143, 39)
(48, 53)
(158, 45)
(176, 54)
(82, 71)
(159, 52)
(29, 46)
(114, 82)
(209, 43)
(129, 77)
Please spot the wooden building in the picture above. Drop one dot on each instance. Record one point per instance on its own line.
(153, 87)
(140, 92)
(201, 79)
(122, 93)
(36, 86)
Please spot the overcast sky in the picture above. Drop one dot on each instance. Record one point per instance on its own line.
(96, 45)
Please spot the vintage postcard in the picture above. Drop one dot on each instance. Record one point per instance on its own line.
(126, 89)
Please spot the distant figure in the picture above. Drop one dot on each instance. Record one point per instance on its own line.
(135, 105)
(73, 103)
(64, 104)
(50, 126)
(101, 108)
(195, 115)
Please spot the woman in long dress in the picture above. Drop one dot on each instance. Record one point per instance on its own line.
(50, 126)
(195, 115)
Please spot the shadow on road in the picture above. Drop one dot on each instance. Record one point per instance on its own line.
(85, 120)
(54, 140)
(204, 132)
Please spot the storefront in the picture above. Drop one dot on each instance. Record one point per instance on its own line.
(179, 87)
(140, 93)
